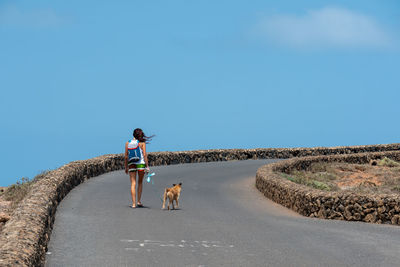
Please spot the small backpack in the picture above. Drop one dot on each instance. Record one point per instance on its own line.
(134, 153)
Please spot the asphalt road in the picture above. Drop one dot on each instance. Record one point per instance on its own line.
(223, 221)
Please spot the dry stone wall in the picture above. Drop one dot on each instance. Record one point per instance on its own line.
(329, 205)
(23, 240)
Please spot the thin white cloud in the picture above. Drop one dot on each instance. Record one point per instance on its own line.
(329, 26)
(38, 18)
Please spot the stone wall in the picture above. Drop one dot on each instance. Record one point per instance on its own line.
(23, 240)
(329, 205)
(166, 158)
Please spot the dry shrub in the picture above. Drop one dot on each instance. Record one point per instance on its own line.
(396, 188)
(318, 167)
(17, 192)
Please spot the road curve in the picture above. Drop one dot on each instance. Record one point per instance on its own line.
(223, 221)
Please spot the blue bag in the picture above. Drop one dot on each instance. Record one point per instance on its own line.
(134, 153)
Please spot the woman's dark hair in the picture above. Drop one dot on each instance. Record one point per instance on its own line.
(139, 135)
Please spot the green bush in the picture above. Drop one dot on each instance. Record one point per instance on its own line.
(301, 178)
(321, 186)
(386, 162)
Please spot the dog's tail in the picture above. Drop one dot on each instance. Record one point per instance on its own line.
(165, 197)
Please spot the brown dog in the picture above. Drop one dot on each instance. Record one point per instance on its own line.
(172, 193)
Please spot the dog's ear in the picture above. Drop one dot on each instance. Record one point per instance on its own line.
(180, 183)
(173, 184)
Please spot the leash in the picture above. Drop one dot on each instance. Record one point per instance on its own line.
(148, 177)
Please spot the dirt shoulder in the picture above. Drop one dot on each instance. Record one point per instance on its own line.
(12, 195)
(376, 177)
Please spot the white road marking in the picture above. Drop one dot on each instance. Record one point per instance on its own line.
(129, 240)
(176, 244)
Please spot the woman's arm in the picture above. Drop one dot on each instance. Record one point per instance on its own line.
(145, 154)
(126, 158)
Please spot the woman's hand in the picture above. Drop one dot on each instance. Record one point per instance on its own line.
(147, 170)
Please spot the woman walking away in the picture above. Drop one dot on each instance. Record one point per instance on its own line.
(136, 161)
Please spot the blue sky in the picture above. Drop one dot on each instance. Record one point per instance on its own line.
(76, 77)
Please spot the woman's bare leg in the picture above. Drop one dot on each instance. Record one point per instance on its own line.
(132, 176)
(140, 186)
